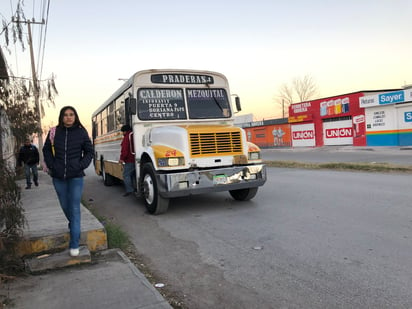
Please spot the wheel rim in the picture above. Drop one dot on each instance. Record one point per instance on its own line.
(148, 189)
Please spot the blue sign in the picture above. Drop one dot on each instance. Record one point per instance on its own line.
(392, 97)
(408, 116)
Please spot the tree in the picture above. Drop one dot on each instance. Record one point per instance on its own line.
(299, 90)
(18, 93)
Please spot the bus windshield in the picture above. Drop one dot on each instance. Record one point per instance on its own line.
(207, 103)
(169, 104)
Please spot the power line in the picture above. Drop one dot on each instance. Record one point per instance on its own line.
(46, 22)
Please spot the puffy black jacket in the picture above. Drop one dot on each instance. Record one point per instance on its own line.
(28, 155)
(73, 152)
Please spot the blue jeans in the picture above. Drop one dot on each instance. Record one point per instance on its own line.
(129, 176)
(33, 169)
(69, 192)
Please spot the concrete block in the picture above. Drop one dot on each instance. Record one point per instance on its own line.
(57, 260)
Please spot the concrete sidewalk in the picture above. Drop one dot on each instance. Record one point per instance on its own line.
(104, 279)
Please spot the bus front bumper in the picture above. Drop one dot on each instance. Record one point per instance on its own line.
(211, 180)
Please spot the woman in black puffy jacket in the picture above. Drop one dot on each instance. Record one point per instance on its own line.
(67, 152)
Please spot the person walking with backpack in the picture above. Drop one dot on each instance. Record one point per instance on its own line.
(29, 156)
(67, 154)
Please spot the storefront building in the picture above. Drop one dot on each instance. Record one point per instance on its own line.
(269, 133)
(337, 120)
(388, 118)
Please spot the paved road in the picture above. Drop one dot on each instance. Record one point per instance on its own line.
(393, 155)
(309, 239)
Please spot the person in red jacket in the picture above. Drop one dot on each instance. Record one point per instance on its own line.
(127, 159)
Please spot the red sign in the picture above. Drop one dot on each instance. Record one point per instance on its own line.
(300, 118)
(339, 132)
(307, 134)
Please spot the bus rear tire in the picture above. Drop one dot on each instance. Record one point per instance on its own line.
(244, 194)
(155, 204)
(108, 179)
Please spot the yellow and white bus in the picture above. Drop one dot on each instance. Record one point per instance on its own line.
(184, 138)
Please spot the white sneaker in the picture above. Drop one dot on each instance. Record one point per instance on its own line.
(74, 252)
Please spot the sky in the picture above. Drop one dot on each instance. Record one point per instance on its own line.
(345, 46)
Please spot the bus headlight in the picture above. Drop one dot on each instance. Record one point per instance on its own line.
(170, 162)
(254, 155)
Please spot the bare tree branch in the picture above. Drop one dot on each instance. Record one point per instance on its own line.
(305, 88)
(299, 90)
(286, 93)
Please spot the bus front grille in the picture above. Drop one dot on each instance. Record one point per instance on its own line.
(215, 143)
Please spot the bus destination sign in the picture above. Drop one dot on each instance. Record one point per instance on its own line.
(177, 78)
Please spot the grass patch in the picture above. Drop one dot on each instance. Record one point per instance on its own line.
(116, 237)
(366, 167)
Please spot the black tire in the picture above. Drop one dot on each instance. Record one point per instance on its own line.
(244, 194)
(155, 204)
(108, 180)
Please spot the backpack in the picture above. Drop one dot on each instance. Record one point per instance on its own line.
(51, 138)
(52, 133)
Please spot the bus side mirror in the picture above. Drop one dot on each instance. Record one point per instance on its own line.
(131, 106)
(238, 107)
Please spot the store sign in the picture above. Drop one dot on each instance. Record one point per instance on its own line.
(408, 116)
(303, 135)
(301, 107)
(359, 119)
(379, 119)
(300, 118)
(334, 107)
(369, 100)
(339, 132)
(307, 134)
(392, 97)
(385, 98)
(408, 95)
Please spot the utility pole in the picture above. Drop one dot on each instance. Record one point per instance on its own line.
(36, 87)
(36, 92)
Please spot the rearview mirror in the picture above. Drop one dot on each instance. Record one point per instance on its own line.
(238, 107)
(131, 106)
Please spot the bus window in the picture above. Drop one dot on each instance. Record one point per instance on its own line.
(112, 107)
(160, 104)
(110, 122)
(120, 113)
(207, 103)
(104, 125)
(94, 129)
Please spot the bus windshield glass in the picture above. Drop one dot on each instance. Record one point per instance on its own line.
(160, 104)
(169, 104)
(207, 103)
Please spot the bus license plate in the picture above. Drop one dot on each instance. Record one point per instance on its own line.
(219, 179)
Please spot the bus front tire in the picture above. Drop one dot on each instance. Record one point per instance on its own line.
(108, 179)
(155, 204)
(244, 194)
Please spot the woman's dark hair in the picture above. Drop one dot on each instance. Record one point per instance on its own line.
(76, 117)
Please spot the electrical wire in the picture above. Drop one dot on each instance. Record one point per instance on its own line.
(44, 16)
(40, 43)
(46, 22)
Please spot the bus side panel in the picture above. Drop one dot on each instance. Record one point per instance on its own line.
(114, 168)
